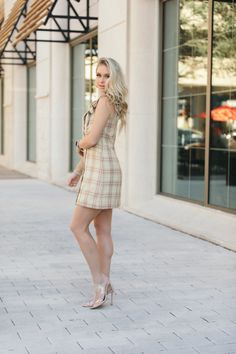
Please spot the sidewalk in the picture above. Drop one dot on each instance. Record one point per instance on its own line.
(175, 294)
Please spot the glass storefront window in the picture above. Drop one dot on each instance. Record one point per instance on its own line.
(84, 60)
(91, 57)
(1, 117)
(31, 113)
(222, 189)
(186, 94)
(184, 98)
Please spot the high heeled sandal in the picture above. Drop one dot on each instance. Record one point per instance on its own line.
(105, 291)
(102, 289)
(110, 290)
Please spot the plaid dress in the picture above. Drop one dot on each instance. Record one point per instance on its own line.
(100, 183)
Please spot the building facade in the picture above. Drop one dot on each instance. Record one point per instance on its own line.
(178, 152)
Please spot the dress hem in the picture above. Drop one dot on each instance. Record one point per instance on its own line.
(93, 207)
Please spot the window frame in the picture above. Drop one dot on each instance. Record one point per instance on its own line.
(205, 202)
(28, 67)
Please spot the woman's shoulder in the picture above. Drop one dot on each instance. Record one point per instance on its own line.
(105, 103)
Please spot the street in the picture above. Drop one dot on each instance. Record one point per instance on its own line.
(174, 293)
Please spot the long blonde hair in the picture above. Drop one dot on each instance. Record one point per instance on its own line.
(116, 89)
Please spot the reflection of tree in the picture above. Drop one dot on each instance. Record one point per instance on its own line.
(224, 36)
(193, 27)
(193, 32)
(224, 30)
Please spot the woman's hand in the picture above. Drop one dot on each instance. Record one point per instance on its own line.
(80, 150)
(73, 179)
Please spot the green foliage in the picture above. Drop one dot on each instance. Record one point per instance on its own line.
(193, 29)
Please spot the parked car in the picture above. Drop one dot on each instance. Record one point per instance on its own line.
(189, 136)
(191, 153)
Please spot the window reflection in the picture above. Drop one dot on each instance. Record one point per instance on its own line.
(31, 113)
(184, 98)
(1, 117)
(223, 107)
(84, 60)
(185, 66)
(91, 57)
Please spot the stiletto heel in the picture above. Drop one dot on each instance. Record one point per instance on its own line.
(110, 290)
(112, 298)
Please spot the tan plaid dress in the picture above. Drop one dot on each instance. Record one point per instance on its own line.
(100, 183)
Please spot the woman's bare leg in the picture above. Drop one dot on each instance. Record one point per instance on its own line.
(102, 224)
(81, 219)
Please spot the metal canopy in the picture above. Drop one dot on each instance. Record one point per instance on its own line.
(8, 29)
(1, 13)
(38, 15)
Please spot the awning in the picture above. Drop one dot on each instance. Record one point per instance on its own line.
(1, 12)
(34, 19)
(223, 114)
(220, 114)
(41, 11)
(10, 55)
(24, 26)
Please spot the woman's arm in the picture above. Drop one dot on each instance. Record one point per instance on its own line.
(74, 177)
(79, 168)
(102, 113)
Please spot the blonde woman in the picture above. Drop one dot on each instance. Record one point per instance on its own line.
(100, 177)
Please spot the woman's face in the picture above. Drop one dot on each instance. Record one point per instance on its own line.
(102, 77)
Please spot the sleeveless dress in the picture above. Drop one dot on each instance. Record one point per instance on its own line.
(100, 183)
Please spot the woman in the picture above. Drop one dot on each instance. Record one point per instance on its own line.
(101, 177)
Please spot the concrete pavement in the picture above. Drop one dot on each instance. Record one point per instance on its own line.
(175, 294)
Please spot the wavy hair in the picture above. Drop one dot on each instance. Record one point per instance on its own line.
(116, 90)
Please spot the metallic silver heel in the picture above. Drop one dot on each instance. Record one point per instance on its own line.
(110, 290)
(112, 298)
